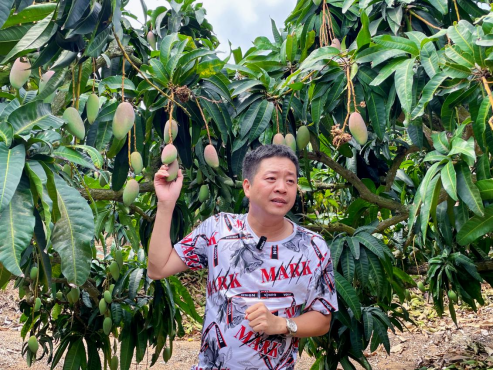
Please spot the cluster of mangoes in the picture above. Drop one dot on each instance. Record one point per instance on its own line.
(303, 138)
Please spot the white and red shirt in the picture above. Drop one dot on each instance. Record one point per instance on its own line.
(291, 276)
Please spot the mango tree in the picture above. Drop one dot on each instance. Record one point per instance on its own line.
(387, 104)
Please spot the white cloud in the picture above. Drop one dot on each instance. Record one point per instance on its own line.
(239, 21)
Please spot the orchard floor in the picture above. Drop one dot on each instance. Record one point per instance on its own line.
(434, 344)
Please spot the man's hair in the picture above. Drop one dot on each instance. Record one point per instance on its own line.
(253, 159)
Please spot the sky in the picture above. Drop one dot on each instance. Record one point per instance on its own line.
(239, 21)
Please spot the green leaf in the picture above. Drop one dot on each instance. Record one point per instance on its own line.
(387, 71)
(347, 264)
(485, 188)
(128, 340)
(476, 227)
(29, 38)
(382, 333)
(376, 272)
(317, 55)
(193, 55)
(115, 83)
(76, 12)
(440, 5)
(291, 47)
(432, 192)
(458, 56)
(30, 14)
(377, 113)
(244, 86)
(97, 45)
(371, 243)
(37, 177)
(276, 33)
(461, 36)
(95, 155)
(362, 267)
(480, 123)
(347, 292)
(403, 84)
(435, 156)
(467, 191)
(72, 156)
(337, 247)
(364, 36)
(354, 246)
(448, 178)
(72, 233)
(262, 120)
(12, 164)
(5, 7)
(460, 146)
(4, 277)
(31, 115)
(52, 85)
(428, 93)
(441, 143)
(368, 324)
(209, 68)
(396, 42)
(76, 355)
(430, 61)
(16, 228)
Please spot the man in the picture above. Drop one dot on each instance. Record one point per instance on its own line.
(270, 281)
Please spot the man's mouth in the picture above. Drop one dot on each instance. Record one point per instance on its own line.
(279, 200)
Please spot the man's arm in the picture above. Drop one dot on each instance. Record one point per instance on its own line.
(309, 324)
(163, 260)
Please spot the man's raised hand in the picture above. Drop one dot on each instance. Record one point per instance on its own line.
(167, 192)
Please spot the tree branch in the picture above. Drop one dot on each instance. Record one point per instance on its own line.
(397, 161)
(352, 178)
(108, 194)
(332, 228)
(390, 222)
(422, 269)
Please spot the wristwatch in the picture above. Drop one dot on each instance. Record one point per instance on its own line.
(291, 326)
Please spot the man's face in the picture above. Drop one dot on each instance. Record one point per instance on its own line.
(274, 188)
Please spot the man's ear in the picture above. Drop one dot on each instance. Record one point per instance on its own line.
(246, 185)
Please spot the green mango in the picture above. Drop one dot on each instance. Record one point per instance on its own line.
(123, 120)
(114, 363)
(203, 193)
(130, 192)
(114, 270)
(107, 325)
(19, 73)
(33, 274)
(92, 108)
(102, 306)
(37, 304)
(74, 122)
(107, 296)
(119, 258)
(32, 343)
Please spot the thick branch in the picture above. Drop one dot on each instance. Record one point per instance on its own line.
(390, 222)
(327, 186)
(422, 270)
(108, 194)
(332, 228)
(397, 161)
(352, 178)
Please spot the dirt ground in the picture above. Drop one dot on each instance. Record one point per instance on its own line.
(435, 343)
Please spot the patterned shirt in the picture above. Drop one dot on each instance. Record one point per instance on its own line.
(291, 277)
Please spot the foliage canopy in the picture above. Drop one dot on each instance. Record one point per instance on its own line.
(418, 190)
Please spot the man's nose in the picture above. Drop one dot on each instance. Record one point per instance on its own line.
(280, 186)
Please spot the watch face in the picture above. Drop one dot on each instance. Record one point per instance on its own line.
(292, 327)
